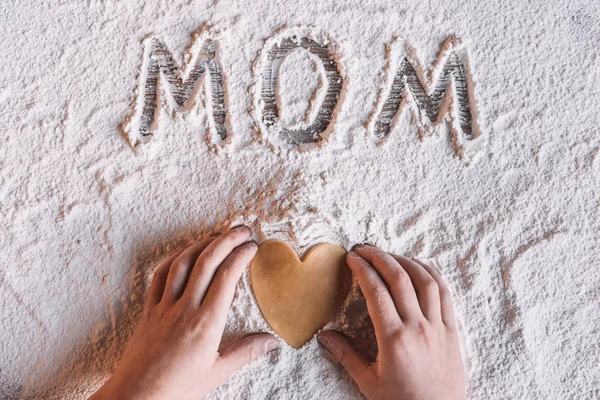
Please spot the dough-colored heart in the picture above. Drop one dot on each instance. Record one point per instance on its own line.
(297, 298)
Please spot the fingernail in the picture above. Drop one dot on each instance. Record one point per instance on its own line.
(272, 345)
(331, 352)
(353, 254)
(241, 228)
(323, 340)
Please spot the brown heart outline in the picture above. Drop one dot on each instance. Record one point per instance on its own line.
(298, 297)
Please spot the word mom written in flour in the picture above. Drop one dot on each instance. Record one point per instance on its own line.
(441, 94)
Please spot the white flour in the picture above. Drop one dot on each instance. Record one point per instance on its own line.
(513, 224)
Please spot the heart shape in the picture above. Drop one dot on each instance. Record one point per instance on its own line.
(297, 298)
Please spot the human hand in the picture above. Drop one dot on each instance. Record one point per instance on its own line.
(412, 313)
(173, 353)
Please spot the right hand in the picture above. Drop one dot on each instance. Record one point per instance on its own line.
(412, 313)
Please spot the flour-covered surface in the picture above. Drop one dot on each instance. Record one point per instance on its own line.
(510, 215)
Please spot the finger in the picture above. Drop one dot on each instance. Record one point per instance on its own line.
(220, 294)
(426, 288)
(446, 306)
(180, 270)
(210, 259)
(243, 352)
(397, 280)
(380, 305)
(346, 354)
(157, 287)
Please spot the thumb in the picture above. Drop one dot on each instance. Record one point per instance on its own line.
(244, 352)
(344, 353)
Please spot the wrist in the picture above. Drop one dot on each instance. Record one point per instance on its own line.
(117, 389)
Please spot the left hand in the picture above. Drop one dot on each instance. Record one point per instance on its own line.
(173, 353)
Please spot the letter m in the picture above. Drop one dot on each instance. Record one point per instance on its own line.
(180, 87)
(446, 90)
